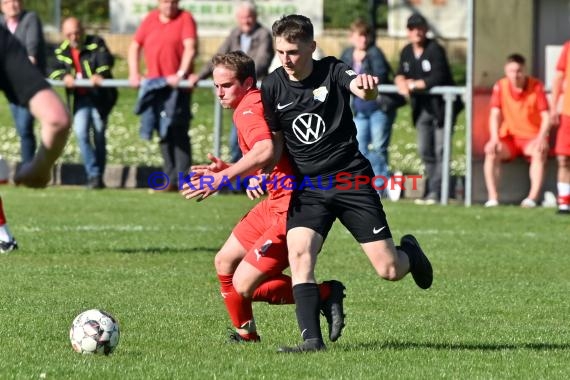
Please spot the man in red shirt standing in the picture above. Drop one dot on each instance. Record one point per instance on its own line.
(168, 38)
(562, 147)
(251, 262)
(518, 125)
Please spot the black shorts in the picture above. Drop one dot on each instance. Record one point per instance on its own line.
(359, 210)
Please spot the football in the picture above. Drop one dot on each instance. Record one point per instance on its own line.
(94, 332)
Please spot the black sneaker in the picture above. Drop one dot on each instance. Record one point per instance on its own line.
(235, 337)
(420, 267)
(310, 345)
(7, 246)
(563, 211)
(333, 310)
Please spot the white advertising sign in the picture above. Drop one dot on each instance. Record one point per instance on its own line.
(214, 17)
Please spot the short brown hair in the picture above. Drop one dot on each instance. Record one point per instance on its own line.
(238, 62)
(294, 28)
(516, 57)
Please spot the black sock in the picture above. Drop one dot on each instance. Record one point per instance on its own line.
(307, 309)
(410, 258)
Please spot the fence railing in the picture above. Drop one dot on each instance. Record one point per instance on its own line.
(449, 94)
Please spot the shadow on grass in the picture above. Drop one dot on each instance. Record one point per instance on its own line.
(459, 346)
(165, 250)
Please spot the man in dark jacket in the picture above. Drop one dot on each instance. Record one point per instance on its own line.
(423, 65)
(87, 56)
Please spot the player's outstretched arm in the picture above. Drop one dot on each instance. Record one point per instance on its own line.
(48, 108)
(258, 157)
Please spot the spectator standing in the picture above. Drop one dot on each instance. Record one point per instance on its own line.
(562, 147)
(373, 122)
(25, 86)
(253, 39)
(518, 125)
(82, 56)
(168, 38)
(27, 28)
(423, 65)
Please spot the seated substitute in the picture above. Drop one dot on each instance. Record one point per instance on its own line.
(519, 126)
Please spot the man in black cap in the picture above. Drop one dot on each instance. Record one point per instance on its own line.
(423, 65)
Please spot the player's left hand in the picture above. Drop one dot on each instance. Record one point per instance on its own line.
(254, 189)
(366, 82)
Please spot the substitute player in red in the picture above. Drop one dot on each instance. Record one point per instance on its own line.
(251, 262)
(562, 147)
(519, 126)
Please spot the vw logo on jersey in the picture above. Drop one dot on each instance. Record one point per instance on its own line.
(309, 128)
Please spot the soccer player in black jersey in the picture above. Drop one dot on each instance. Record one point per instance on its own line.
(306, 104)
(24, 84)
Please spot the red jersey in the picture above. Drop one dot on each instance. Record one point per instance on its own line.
(163, 42)
(521, 109)
(562, 65)
(251, 127)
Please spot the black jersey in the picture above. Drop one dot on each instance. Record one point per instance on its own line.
(315, 117)
(19, 78)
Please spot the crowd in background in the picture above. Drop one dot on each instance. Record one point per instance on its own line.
(166, 41)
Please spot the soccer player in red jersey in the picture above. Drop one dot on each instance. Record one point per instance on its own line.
(562, 147)
(251, 262)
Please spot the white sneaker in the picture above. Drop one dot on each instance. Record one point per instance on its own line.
(528, 203)
(492, 203)
(549, 199)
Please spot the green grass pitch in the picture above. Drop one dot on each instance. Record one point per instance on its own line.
(499, 307)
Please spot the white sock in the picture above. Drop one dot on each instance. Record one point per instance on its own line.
(563, 192)
(5, 234)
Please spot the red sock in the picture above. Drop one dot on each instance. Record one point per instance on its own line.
(278, 290)
(562, 200)
(275, 290)
(2, 216)
(324, 291)
(239, 308)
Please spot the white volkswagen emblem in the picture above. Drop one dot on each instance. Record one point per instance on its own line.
(309, 128)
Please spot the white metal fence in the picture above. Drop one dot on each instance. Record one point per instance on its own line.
(449, 94)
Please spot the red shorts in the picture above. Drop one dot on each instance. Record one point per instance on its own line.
(263, 233)
(562, 147)
(515, 145)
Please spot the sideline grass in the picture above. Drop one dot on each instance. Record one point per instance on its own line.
(499, 306)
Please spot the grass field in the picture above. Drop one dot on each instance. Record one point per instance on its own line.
(498, 309)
